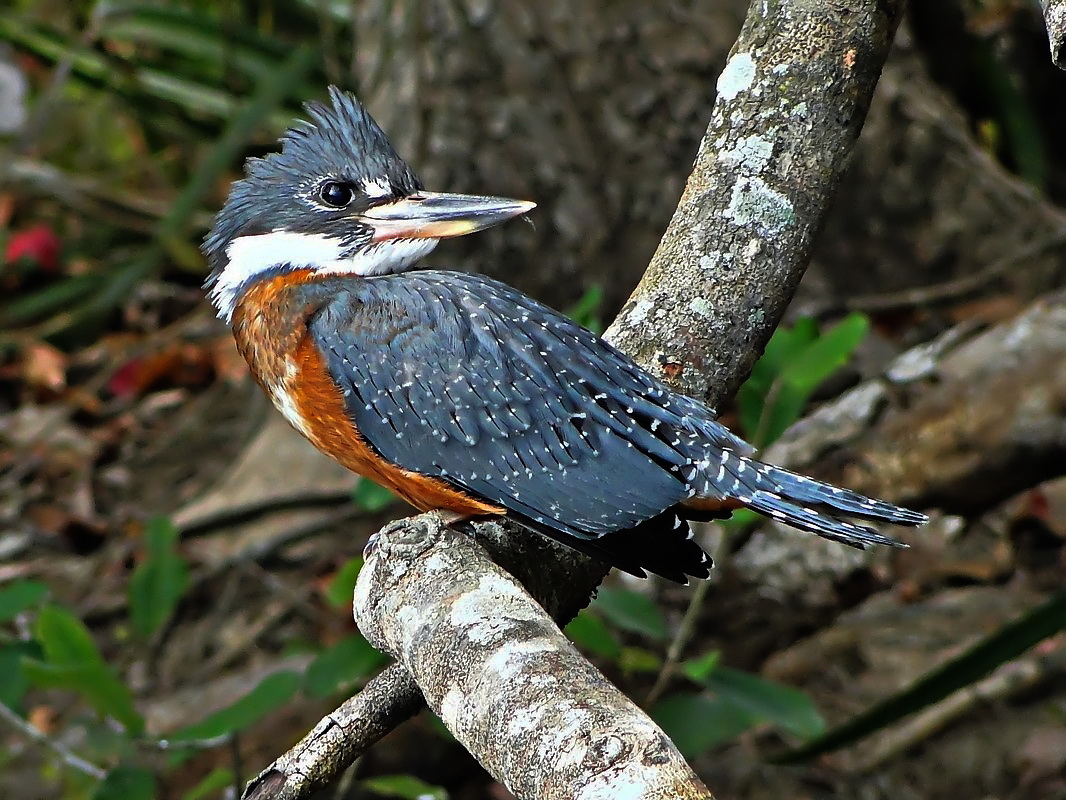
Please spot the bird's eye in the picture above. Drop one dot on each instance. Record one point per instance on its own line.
(336, 194)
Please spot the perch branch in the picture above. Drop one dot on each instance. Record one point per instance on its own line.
(504, 678)
(1055, 20)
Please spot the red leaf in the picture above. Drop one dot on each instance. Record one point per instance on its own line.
(38, 245)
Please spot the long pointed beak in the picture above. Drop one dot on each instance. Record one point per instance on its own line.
(435, 215)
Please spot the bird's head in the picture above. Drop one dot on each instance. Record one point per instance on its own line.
(336, 199)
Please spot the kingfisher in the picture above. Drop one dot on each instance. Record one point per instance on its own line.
(461, 394)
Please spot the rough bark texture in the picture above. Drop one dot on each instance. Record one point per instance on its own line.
(1055, 19)
(791, 102)
(503, 677)
(388, 699)
(592, 110)
(392, 697)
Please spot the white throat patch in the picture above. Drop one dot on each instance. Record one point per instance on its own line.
(250, 256)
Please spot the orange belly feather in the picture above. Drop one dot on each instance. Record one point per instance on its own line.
(270, 328)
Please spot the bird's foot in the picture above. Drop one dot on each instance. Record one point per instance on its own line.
(440, 518)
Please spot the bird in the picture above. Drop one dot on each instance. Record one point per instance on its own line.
(458, 392)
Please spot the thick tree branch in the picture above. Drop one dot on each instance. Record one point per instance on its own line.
(392, 697)
(1055, 19)
(504, 678)
(791, 102)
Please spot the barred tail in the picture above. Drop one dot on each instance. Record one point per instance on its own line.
(802, 502)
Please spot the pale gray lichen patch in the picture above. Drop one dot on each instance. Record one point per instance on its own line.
(487, 631)
(737, 76)
(632, 784)
(508, 604)
(701, 307)
(753, 202)
(452, 706)
(438, 563)
(752, 249)
(640, 310)
(410, 620)
(564, 745)
(492, 591)
(514, 657)
(717, 260)
(525, 719)
(750, 153)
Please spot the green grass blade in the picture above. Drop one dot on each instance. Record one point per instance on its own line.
(1004, 645)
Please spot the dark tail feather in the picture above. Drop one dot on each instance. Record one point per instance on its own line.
(808, 504)
(801, 489)
(807, 519)
(662, 544)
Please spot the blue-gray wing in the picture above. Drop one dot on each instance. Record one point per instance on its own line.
(461, 377)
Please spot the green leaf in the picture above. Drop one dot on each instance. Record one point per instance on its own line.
(53, 297)
(341, 589)
(437, 726)
(785, 707)
(586, 311)
(589, 632)
(699, 669)
(631, 611)
(65, 639)
(696, 722)
(197, 36)
(404, 786)
(639, 659)
(795, 363)
(126, 783)
(1026, 142)
(13, 681)
(993, 651)
(272, 692)
(826, 354)
(372, 498)
(20, 596)
(742, 518)
(784, 345)
(350, 660)
(217, 781)
(100, 687)
(158, 582)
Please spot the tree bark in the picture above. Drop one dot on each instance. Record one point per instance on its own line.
(791, 103)
(1055, 19)
(503, 677)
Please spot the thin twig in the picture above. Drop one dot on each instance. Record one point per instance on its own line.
(963, 285)
(677, 645)
(1008, 680)
(720, 557)
(67, 756)
(246, 512)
